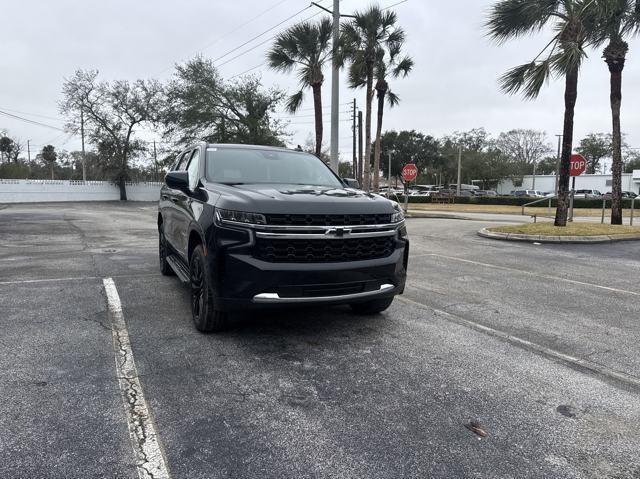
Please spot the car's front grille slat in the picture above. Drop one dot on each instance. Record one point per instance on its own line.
(328, 220)
(323, 251)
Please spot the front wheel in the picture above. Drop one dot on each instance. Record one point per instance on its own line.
(205, 316)
(374, 306)
(163, 252)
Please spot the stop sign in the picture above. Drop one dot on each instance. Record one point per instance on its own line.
(578, 165)
(409, 172)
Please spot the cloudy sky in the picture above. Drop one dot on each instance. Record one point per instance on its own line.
(453, 86)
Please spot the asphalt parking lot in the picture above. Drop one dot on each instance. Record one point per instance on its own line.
(539, 344)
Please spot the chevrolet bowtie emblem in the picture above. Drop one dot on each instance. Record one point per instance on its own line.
(340, 232)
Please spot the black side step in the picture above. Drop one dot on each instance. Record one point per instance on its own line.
(179, 268)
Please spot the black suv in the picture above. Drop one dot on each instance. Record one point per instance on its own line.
(253, 226)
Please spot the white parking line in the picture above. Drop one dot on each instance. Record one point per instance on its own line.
(150, 461)
(530, 273)
(515, 340)
(76, 278)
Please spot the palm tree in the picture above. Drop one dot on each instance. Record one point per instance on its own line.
(307, 48)
(49, 157)
(573, 24)
(385, 67)
(618, 19)
(363, 40)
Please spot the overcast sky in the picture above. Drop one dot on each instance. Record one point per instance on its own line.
(453, 86)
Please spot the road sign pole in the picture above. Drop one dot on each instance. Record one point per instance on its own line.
(573, 193)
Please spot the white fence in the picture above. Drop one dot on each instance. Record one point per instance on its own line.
(39, 191)
(602, 183)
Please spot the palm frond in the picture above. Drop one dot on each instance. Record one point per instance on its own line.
(392, 98)
(403, 67)
(294, 101)
(528, 79)
(569, 58)
(514, 18)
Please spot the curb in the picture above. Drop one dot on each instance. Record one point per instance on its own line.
(485, 233)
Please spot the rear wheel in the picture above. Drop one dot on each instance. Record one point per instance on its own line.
(374, 306)
(205, 315)
(163, 252)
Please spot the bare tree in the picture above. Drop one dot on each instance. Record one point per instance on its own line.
(112, 113)
(524, 148)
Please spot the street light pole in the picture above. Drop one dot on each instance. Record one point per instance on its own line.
(459, 170)
(558, 162)
(389, 183)
(84, 162)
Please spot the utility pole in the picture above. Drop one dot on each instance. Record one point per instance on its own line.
(335, 89)
(335, 83)
(459, 170)
(558, 162)
(29, 151)
(155, 159)
(355, 153)
(360, 166)
(533, 186)
(389, 181)
(84, 162)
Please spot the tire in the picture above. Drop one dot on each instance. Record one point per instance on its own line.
(206, 317)
(374, 306)
(163, 252)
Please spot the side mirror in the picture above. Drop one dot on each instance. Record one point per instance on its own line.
(177, 180)
(351, 183)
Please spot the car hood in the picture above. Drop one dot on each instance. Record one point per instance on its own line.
(298, 199)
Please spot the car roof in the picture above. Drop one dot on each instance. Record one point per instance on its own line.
(249, 147)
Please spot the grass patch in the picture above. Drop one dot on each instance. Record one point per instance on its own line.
(572, 229)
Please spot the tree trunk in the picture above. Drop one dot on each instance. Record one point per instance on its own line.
(52, 176)
(615, 55)
(367, 130)
(381, 88)
(570, 97)
(317, 106)
(123, 189)
(122, 177)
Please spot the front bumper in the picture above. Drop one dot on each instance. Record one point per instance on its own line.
(245, 282)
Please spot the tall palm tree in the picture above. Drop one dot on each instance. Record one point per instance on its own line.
(307, 48)
(362, 40)
(387, 65)
(618, 19)
(573, 25)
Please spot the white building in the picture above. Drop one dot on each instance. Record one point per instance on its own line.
(547, 183)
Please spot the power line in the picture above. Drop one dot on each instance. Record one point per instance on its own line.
(33, 122)
(233, 30)
(247, 71)
(260, 44)
(32, 114)
(259, 35)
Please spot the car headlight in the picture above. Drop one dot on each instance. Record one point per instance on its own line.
(398, 214)
(241, 217)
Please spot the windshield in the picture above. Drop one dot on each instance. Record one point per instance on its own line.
(239, 165)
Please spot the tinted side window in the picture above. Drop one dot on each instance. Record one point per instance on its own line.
(193, 169)
(182, 163)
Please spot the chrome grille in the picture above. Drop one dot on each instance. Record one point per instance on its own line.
(328, 220)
